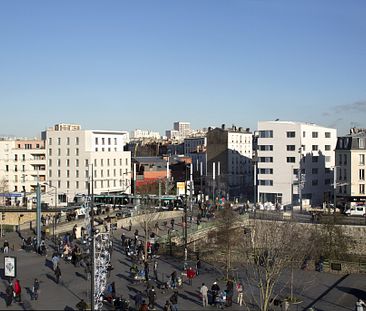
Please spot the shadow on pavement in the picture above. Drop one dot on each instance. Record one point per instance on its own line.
(185, 297)
(50, 277)
(358, 293)
(80, 275)
(67, 308)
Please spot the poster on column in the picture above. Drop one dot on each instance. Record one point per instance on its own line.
(10, 266)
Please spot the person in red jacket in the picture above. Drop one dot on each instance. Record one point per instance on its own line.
(191, 273)
(17, 291)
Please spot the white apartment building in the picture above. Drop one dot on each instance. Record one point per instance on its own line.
(350, 168)
(72, 153)
(180, 131)
(22, 165)
(290, 154)
(144, 134)
(231, 151)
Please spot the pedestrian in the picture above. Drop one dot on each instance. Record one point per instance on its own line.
(9, 294)
(167, 306)
(6, 247)
(174, 301)
(204, 291)
(155, 269)
(198, 266)
(172, 223)
(156, 226)
(360, 304)
(173, 279)
(35, 289)
(58, 273)
(191, 273)
(138, 300)
(130, 225)
(82, 305)
(215, 289)
(17, 291)
(144, 306)
(240, 292)
(151, 294)
(123, 239)
(55, 261)
(146, 271)
(229, 292)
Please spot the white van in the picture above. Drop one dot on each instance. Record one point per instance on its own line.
(356, 211)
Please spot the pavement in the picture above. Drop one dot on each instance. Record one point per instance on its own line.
(322, 291)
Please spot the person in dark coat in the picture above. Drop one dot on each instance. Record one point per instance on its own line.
(229, 292)
(9, 294)
(57, 273)
(151, 294)
(174, 301)
(215, 289)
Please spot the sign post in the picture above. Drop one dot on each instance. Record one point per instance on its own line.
(10, 267)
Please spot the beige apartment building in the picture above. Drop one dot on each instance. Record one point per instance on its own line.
(72, 153)
(351, 166)
(22, 165)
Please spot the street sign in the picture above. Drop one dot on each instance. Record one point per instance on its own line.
(10, 266)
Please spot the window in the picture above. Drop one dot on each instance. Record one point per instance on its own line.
(58, 173)
(108, 162)
(68, 152)
(77, 162)
(59, 141)
(109, 141)
(67, 162)
(327, 147)
(16, 168)
(327, 181)
(126, 161)
(96, 140)
(327, 135)
(68, 140)
(115, 141)
(314, 159)
(77, 151)
(362, 188)
(290, 147)
(86, 163)
(59, 151)
(314, 171)
(361, 174)
(114, 162)
(266, 171)
(266, 182)
(339, 159)
(68, 173)
(265, 159)
(68, 185)
(314, 182)
(103, 141)
(23, 157)
(58, 162)
(59, 183)
(362, 159)
(345, 174)
(49, 173)
(95, 162)
(314, 134)
(266, 134)
(314, 148)
(50, 141)
(344, 159)
(327, 159)
(50, 152)
(290, 159)
(304, 134)
(96, 149)
(361, 143)
(77, 140)
(77, 174)
(101, 162)
(101, 173)
(50, 162)
(290, 134)
(77, 184)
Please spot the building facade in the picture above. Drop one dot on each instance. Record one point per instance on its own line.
(350, 168)
(72, 153)
(229, 162)
(295, 160)
(22, 166)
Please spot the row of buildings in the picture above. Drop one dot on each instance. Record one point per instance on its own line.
(281, 162)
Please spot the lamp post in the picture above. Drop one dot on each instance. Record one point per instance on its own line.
(56, 197)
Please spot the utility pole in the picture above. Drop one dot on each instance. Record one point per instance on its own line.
(185, 219)
(134, 179)
(92, 253)
(39, 214)
(334, 193)
(213, 182)
(191, 191)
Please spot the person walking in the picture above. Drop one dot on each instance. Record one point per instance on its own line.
(146, 271)
(167, 306)
(174, 301)
(198, 266)
(155, 269)
(130, 225)
(215, 289)
(9, 294)
(191, 273)
(360, 304)
(151, 294)
(240, 292)
(138, 299)
(17, 291)
(229, 292)
(204, 291)
(58, 273)
(6, 247)
(35, 290)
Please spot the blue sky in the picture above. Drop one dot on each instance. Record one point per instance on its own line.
(122, 65)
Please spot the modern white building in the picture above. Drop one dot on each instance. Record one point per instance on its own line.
(144, 134)
(72, 153)
(180, 131)
(229, 150)
(22, 165)
(295, 160)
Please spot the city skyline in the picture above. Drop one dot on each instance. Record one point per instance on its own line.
(126, 65)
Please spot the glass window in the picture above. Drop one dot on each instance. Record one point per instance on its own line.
(314, 171)
(59, 141)
(361, 174)
(50, 141)
(266, 134)
(361, 143)
(290, 147)
(362, 159)
(59, 151)
(315, 159)
(96, 140)
(291, 159)
(77, 140)
(362, 189)
(314, 134)
(327, 135)
(314, 148)
(68, 140)
(327, 147)
(290, 134)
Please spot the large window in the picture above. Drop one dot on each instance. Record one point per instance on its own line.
(265, 159)
(314, 134)
(327, 135)
(266, 182)
(266, 171)
(314, 148)
(362, 159)
(362, 188)
(361, 174)
(266, 134)
(361, 143)
(265, 147)
(290, 134)
(327, 148)
(290, 147)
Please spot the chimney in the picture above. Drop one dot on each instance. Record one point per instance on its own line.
(223, 126)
